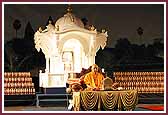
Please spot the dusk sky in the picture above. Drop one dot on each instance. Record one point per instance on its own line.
(120, 20)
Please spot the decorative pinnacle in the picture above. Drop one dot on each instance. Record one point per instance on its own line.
(103, 30)
(57, 27)
(50, 22)
(40, 29)
(69, 9)
(92, 28)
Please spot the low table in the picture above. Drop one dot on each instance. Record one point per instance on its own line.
(106, 100)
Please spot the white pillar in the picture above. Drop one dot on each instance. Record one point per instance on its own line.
(93, 57)
(53, 64)
(90, 59)
(47, 64)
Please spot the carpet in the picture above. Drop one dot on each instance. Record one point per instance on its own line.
(153, 108)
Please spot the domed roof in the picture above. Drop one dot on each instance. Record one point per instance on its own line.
(68, 19)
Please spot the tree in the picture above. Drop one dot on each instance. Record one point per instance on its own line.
(17, 25)
(159, 47)
(9, 55)
(122, 48)
(29, 32)
(20, 56)
(140, 33)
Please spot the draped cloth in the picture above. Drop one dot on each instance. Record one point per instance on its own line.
(106, 100)
(76, 101)
(94, 80)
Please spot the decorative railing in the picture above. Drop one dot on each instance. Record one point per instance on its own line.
(144, 82)
(18, 83)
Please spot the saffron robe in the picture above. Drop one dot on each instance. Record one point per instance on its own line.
(93, 80)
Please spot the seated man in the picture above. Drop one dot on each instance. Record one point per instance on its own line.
(94, 79)
(109, 84)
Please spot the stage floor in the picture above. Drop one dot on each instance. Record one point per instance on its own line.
(139, 107)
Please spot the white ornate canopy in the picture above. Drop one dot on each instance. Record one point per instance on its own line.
(68, 46)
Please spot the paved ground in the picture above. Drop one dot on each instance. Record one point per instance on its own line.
(34, 108)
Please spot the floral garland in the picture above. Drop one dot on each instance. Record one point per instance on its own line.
(89, 100)
(109, 100)
(129, 99)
